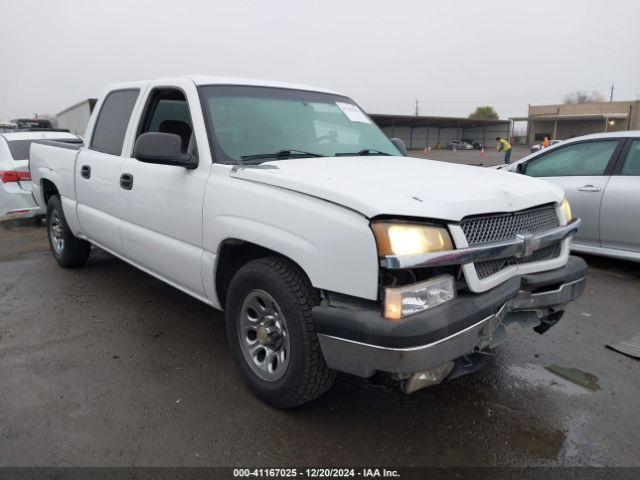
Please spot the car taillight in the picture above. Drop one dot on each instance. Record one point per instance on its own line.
(8, 176)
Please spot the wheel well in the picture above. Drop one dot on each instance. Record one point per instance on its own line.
(233, 255)
(48, 190)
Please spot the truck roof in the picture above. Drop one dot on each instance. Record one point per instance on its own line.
(209, 80)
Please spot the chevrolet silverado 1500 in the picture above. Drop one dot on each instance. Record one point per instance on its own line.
(327, 248)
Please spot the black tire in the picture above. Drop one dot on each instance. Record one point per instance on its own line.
(307, 375)
(72, 251)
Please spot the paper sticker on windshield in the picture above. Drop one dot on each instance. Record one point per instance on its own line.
(353, 113)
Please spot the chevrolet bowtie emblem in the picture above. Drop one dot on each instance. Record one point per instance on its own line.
(531, 244)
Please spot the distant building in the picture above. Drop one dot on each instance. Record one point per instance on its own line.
(568, 121)
(76, 117)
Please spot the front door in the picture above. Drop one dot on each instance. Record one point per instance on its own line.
(161, 227)
(582, 170)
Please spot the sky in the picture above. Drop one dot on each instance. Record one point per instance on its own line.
(450, 56)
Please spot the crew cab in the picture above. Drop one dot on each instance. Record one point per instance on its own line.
(326, 247)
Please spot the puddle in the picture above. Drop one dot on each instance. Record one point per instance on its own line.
(537, 376)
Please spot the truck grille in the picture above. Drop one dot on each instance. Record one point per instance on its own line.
(504, 226)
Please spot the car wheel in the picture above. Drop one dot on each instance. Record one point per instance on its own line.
(272, 335)
(68, 250)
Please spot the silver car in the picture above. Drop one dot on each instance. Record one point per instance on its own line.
(16, 200)
(600, 175)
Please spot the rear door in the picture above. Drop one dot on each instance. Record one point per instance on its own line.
(620, 211)
(162, 204)
(583, 170)
(98, 170)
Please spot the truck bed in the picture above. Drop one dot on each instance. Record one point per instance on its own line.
(54, 161)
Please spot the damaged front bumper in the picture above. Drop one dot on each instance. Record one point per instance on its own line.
(361, 342)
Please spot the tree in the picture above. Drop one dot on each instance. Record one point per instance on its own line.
(486, 111)
(582, 97)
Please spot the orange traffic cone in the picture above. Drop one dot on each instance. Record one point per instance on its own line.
(425, 150)
(482, 152)
(455, 150)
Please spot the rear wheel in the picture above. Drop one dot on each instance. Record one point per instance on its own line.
(271, 333)
(68, 250)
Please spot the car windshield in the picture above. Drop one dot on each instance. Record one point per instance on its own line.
(264, 124)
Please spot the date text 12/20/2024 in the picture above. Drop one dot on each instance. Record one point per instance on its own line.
(315, 472)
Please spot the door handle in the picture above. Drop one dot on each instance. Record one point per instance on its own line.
(126, 181)
(85, 171)
(589, 188)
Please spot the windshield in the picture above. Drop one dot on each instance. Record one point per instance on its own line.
(245, 122)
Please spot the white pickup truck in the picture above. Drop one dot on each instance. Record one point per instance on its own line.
(327, 248)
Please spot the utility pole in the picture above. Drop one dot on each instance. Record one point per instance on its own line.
(611, 96)
(4, 103)
(417, 108)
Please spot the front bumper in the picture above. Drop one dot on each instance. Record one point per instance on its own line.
(362, 342)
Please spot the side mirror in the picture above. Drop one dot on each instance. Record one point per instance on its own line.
(520, 168)
(164, 149)
(400, 146)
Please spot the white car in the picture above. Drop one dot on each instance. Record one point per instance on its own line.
(535, 148)
(16, 199)
(600, 174)
(288, 208)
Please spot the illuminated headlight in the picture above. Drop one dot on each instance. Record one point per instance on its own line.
(565, 208)
(400, 302)
(396, 238)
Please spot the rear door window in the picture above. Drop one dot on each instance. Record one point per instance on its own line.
(632, 162)
(580, 159)
(113, 119)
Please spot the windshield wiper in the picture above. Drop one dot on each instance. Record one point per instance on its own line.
(364, 152)
(282, 154)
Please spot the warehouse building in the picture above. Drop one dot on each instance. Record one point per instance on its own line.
(568, 121)
(76, 117)
(419, 132)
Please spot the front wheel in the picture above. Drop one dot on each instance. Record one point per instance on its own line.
(272, 335)
(67, 249)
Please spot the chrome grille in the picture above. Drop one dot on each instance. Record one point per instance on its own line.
(505, 226)
(491, 267)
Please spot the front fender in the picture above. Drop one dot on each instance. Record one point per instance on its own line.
(333, 245)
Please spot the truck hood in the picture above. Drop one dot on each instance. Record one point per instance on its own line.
(404, 186)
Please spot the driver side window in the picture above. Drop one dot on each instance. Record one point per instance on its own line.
(167, 111)
(581, 159)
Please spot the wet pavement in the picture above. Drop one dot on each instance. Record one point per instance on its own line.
(105, 365)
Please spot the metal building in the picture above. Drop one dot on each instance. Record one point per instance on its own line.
(418, 132)
(76, 117)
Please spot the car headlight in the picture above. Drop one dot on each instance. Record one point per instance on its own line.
(566, 210)
(400, 302)
(397, 238)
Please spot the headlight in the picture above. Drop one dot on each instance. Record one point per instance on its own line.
(396, 238)
(400, 302)
(566, 210)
